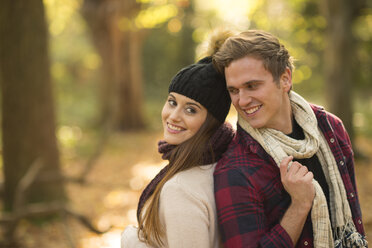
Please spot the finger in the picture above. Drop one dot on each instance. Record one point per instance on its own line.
(309, 176)
(284, 166)
(303, 170)
(294, 168)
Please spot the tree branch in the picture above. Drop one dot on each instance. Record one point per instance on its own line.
(43, 209)
(25, 182)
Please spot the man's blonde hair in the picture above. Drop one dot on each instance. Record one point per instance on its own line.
(257, 44)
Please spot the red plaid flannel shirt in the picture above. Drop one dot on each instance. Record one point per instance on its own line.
(250, 197)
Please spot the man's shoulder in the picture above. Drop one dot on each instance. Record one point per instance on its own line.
(231, 156)
(243, 155)
(323, 114)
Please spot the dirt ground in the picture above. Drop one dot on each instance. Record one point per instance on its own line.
(114, 185)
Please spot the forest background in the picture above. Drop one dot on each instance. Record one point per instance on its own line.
(83, 83)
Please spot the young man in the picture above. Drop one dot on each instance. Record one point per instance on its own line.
(287, 179)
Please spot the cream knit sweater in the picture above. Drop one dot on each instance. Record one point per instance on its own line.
(187, 211)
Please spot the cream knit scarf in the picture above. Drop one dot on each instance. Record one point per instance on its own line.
(278, 145)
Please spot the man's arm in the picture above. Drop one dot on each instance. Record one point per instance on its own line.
(297, 181)
(240, 209)
(241, 215)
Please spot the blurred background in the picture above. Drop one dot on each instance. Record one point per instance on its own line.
(83, 83)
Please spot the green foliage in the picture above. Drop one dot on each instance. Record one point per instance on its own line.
(301, 28)
(363, 116)
(75, 73)
(153, 108)
(170, 45)
(164, 54)
(74, 64)
(362, 30)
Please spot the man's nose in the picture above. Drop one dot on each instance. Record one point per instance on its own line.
(244, 99)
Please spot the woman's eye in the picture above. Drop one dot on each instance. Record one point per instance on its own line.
(172, 102)
(190, 110)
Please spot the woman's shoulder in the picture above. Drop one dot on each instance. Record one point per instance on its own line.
(197, 181)
(193, 175)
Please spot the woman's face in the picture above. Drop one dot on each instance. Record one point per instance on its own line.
(182, 117)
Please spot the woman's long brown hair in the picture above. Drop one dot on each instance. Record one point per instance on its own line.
(184, 156)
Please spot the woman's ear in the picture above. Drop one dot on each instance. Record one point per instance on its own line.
(286, 80)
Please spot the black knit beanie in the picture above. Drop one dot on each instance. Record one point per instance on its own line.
(202, 83)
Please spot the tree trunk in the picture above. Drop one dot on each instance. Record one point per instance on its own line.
(28, 120)
(129, 111)
(339, 54)
(119, 45)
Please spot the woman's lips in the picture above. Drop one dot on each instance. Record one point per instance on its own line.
(174, 128)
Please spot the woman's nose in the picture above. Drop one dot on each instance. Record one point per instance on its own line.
(175, 115)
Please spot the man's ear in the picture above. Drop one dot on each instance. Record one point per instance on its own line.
(286, 80)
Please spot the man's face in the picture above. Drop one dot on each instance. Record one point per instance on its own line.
(260, 100)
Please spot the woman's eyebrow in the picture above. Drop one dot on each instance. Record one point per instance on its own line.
(194, 104)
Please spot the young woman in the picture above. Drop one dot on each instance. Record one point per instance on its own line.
(177, 208)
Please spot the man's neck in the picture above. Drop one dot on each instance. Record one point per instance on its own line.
(297, 132)
(285, 124)
(287, 127)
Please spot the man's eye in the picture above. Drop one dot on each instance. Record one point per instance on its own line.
(252, 86)
(233, 91)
